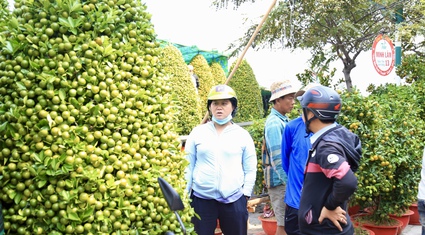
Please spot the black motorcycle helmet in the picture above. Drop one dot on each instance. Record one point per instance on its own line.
(324, 102)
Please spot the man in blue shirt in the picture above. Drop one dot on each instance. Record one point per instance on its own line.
(283, 102)
(295, 146)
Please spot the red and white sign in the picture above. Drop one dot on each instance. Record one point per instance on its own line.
(383, 55)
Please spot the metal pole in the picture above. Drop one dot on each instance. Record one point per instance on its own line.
(399, 18)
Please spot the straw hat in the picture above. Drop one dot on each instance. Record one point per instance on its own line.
(280, 89)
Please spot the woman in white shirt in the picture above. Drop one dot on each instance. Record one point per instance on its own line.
(222, 167)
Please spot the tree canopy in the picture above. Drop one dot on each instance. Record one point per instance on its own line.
(340, 30)
(183, 92)
(413, 29)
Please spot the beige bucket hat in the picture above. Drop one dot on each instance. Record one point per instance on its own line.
(279, 89)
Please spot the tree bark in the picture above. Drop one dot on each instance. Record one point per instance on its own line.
(348, 66)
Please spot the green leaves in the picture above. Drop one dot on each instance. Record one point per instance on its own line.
(12, 47)
(256, 130)
(186, 102)
(71, 24)
(7, 128)
(250, 103)
(390, 126)
(75, 78)
(72, 215)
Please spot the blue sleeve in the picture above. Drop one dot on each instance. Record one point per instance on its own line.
(286, 148)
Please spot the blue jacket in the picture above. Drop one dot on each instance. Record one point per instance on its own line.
(272, 159)
(295, 146)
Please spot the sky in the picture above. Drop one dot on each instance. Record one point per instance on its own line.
(196, 22)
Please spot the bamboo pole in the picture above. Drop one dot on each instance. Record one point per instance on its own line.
(256, 201)
(238, 62)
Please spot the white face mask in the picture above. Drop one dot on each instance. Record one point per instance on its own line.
(222, 121)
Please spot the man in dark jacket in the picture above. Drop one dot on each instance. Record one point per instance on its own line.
(333, 158)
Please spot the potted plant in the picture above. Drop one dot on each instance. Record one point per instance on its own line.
(414, 219)
(218, 229)
(390, 226)
(268, 220)
(390, 126)
(404, 218)
(353, 206)
(358, 230)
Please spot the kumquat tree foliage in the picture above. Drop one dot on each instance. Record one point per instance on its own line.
(256, 130)
(86, 121)
(206, 79)
(89, 102)
(250, 105)
(218, 73)
(3, 14)
(390, 125)
(184, 95)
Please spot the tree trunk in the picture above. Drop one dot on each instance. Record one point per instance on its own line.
(348, 66)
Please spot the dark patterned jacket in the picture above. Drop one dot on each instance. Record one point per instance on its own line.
(329, 180)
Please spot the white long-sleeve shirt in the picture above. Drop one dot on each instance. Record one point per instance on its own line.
(220, 165)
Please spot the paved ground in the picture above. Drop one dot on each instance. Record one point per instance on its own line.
(254, 227)
(412, 230)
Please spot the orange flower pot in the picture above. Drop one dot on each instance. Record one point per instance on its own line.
(370, 232)
(269, 225)
(404, 218)
(384, 229)
(352, 210)
(414, 219)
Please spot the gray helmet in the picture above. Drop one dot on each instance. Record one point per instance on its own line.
(324, 102)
